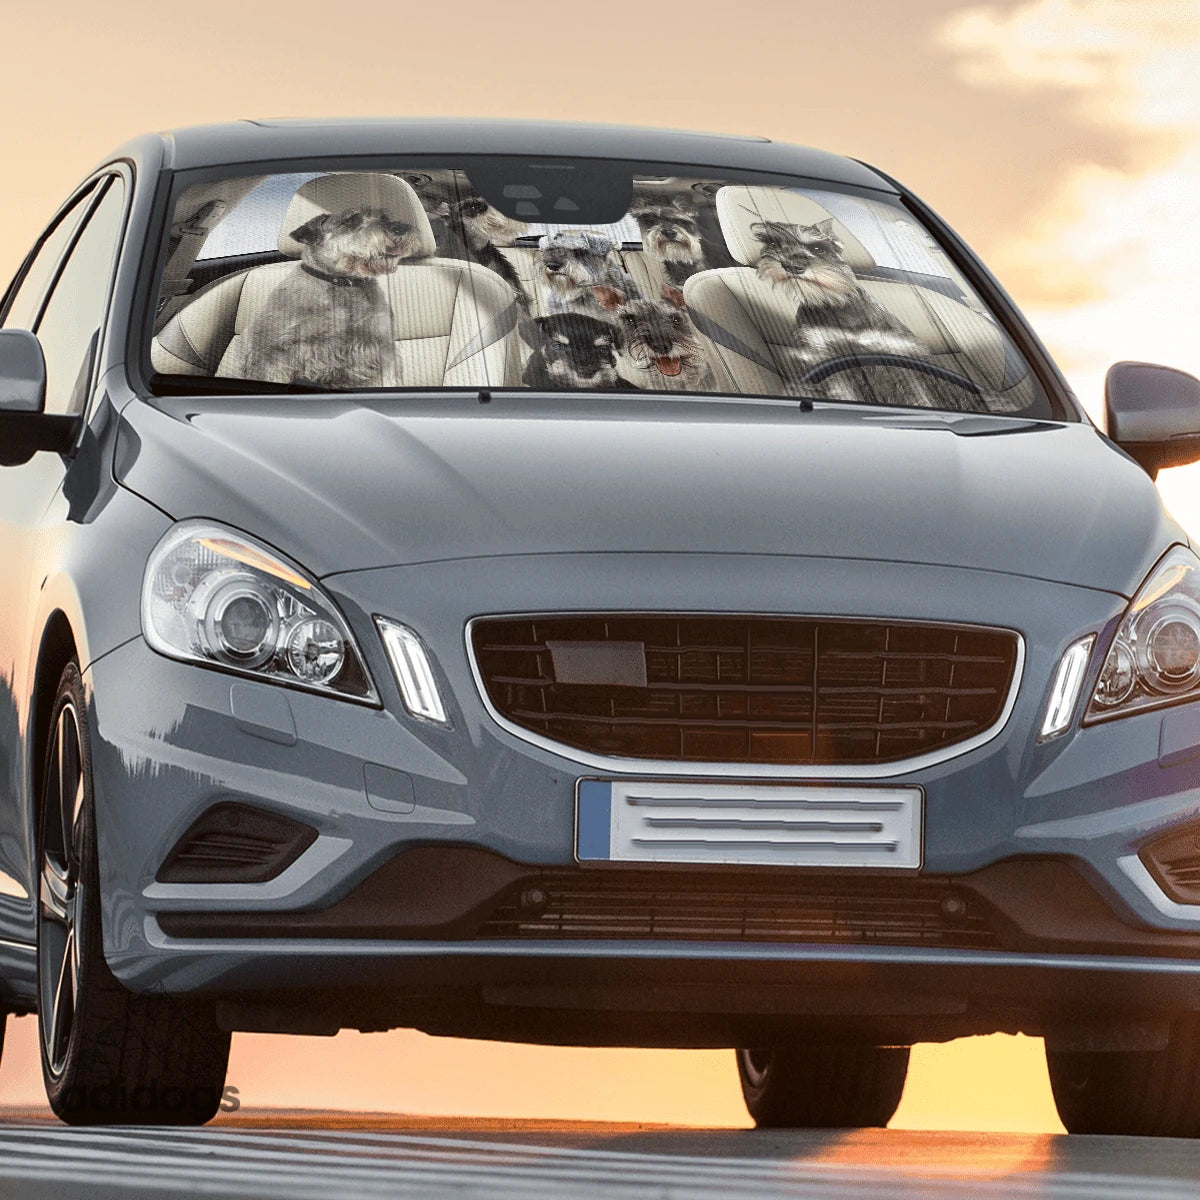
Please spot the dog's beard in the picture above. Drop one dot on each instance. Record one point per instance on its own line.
(564, 371)
(683, 356)
(364, 258)
(683, 249)
(823, 285)
(575, 276)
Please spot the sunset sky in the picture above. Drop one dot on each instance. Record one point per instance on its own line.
(1060, 137)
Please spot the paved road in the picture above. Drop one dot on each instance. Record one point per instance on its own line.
(328, 1156)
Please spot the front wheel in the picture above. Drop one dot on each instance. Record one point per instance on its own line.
(826, 1086)
(109, 1057)
(1148, 1093)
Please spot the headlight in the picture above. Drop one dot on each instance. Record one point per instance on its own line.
(1155, 657)
(211, 595)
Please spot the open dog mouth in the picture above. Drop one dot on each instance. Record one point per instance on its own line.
(668, 364)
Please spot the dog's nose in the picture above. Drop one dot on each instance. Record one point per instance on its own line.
(669, 234)
(659, 345)
(554, 266)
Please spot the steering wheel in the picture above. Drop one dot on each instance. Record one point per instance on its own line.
(819, 372)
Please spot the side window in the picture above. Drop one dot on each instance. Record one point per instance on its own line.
(25, 301)
(70, 325)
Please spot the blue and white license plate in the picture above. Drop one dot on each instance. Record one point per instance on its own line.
(760, 824)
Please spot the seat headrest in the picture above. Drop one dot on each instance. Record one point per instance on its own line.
(356, 189)
(740, 206)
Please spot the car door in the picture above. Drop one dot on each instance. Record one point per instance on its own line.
(61, 294)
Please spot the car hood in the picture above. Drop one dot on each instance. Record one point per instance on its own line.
(341, 485)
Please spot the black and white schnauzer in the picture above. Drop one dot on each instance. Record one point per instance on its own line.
(573, 264)
(571, 350)
(835, 317)
(671, 236)
(331, 322)
(658, 338)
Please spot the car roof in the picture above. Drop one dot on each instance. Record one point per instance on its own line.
(257, 141)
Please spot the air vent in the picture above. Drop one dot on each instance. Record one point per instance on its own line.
(236, 843)
(1174, 861)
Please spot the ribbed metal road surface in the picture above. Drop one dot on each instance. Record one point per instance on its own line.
(327, 1158)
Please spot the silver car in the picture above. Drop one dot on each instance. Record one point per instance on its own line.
(581, 585)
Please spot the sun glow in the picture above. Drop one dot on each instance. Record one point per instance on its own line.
(1109, 268)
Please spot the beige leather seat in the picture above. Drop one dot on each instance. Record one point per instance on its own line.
(746, 320)
(455, 322)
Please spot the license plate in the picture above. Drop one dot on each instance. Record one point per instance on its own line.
(791, 825)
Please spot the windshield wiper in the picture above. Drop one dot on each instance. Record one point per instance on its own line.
(203, 385)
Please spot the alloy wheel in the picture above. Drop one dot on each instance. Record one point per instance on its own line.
(60, 894)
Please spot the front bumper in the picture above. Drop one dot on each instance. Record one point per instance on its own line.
(167, 745)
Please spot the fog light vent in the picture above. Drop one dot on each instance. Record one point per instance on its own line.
(1174, 861)
(235, 843)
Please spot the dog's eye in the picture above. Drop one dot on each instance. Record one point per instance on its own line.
(676, 320)
(628, 318)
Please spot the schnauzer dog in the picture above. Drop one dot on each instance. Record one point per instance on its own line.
(835, 317)
(481, 227)
(671, 236)
(657, 336)
(571, 350)
(331, 323)
(573, 264)
(466, 226)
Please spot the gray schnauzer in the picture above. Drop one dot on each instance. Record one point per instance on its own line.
(659, 338)
(835, 317)
(466, 226)
(331, 323)
(573, 264)
(671, 236)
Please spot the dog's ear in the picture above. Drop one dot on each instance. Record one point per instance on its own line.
(682, 207)
(825, 227)
(311, 232)
(673, 295)
(609, 298)
(597, 243)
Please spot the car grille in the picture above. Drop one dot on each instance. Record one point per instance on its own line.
(745, 689)
(606, 903)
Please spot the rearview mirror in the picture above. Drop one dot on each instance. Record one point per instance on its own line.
(24, 427)
(1153, 414)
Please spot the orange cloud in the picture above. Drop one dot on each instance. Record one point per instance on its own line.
(1110, 266)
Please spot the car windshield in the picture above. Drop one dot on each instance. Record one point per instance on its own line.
(573, 275)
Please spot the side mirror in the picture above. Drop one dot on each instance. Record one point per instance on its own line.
(1153, 414)
(25, 428)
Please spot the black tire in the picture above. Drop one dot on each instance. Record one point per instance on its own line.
(109, 1057)
(1147, 1093)
(827, 1086)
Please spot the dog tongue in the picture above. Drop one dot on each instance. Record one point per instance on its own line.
(669, 366)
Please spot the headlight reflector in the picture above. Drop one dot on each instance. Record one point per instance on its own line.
(1155, 656)
(212, 595)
